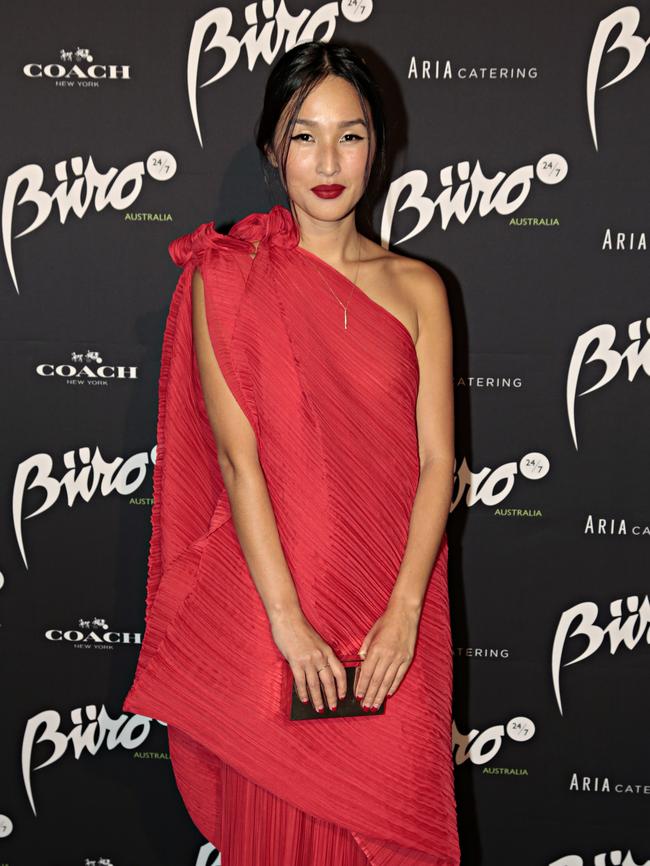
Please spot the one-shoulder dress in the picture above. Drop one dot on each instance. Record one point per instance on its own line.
(333, 412)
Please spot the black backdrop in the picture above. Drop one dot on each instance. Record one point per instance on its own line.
(521, 137)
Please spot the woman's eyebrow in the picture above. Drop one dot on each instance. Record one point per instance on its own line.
(308, 122)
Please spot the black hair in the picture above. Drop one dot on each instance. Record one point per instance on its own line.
(292, 78)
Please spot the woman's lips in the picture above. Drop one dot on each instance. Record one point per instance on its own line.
(328, 190)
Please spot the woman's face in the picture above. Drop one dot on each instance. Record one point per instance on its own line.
(328, 145)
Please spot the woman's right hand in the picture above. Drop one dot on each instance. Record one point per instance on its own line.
(307, 654)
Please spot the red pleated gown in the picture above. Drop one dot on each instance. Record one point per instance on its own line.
(333, 411)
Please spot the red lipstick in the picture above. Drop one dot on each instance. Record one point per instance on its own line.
(330, 190)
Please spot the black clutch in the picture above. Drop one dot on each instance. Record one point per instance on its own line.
(349, 706)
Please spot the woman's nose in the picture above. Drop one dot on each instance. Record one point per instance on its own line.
(328, 162)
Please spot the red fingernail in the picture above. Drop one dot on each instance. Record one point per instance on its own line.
(373, 709)
(305, 700)
(320, 710)
(365, 708)
(333, 708)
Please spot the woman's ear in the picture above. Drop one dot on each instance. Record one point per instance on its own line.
(271, 157)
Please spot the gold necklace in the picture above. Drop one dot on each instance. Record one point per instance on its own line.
(354, 286)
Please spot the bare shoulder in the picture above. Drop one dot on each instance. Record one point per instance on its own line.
(407, 273)
(417, 289)
(422, 283)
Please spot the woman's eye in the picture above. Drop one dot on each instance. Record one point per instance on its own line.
(301, 136)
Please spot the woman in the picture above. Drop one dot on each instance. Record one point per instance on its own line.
(301, 490)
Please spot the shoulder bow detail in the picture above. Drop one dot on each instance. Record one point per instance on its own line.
(203, 238)
(276, 227)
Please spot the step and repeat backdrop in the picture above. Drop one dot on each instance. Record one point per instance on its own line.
(520, 138)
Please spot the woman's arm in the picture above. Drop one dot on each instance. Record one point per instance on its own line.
(254, 522)
(435, 425)
(389, 646)
(251, 508)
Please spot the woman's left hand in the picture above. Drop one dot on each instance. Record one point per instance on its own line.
(387, 650)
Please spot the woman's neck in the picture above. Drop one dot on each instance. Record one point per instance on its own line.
(333, 241)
